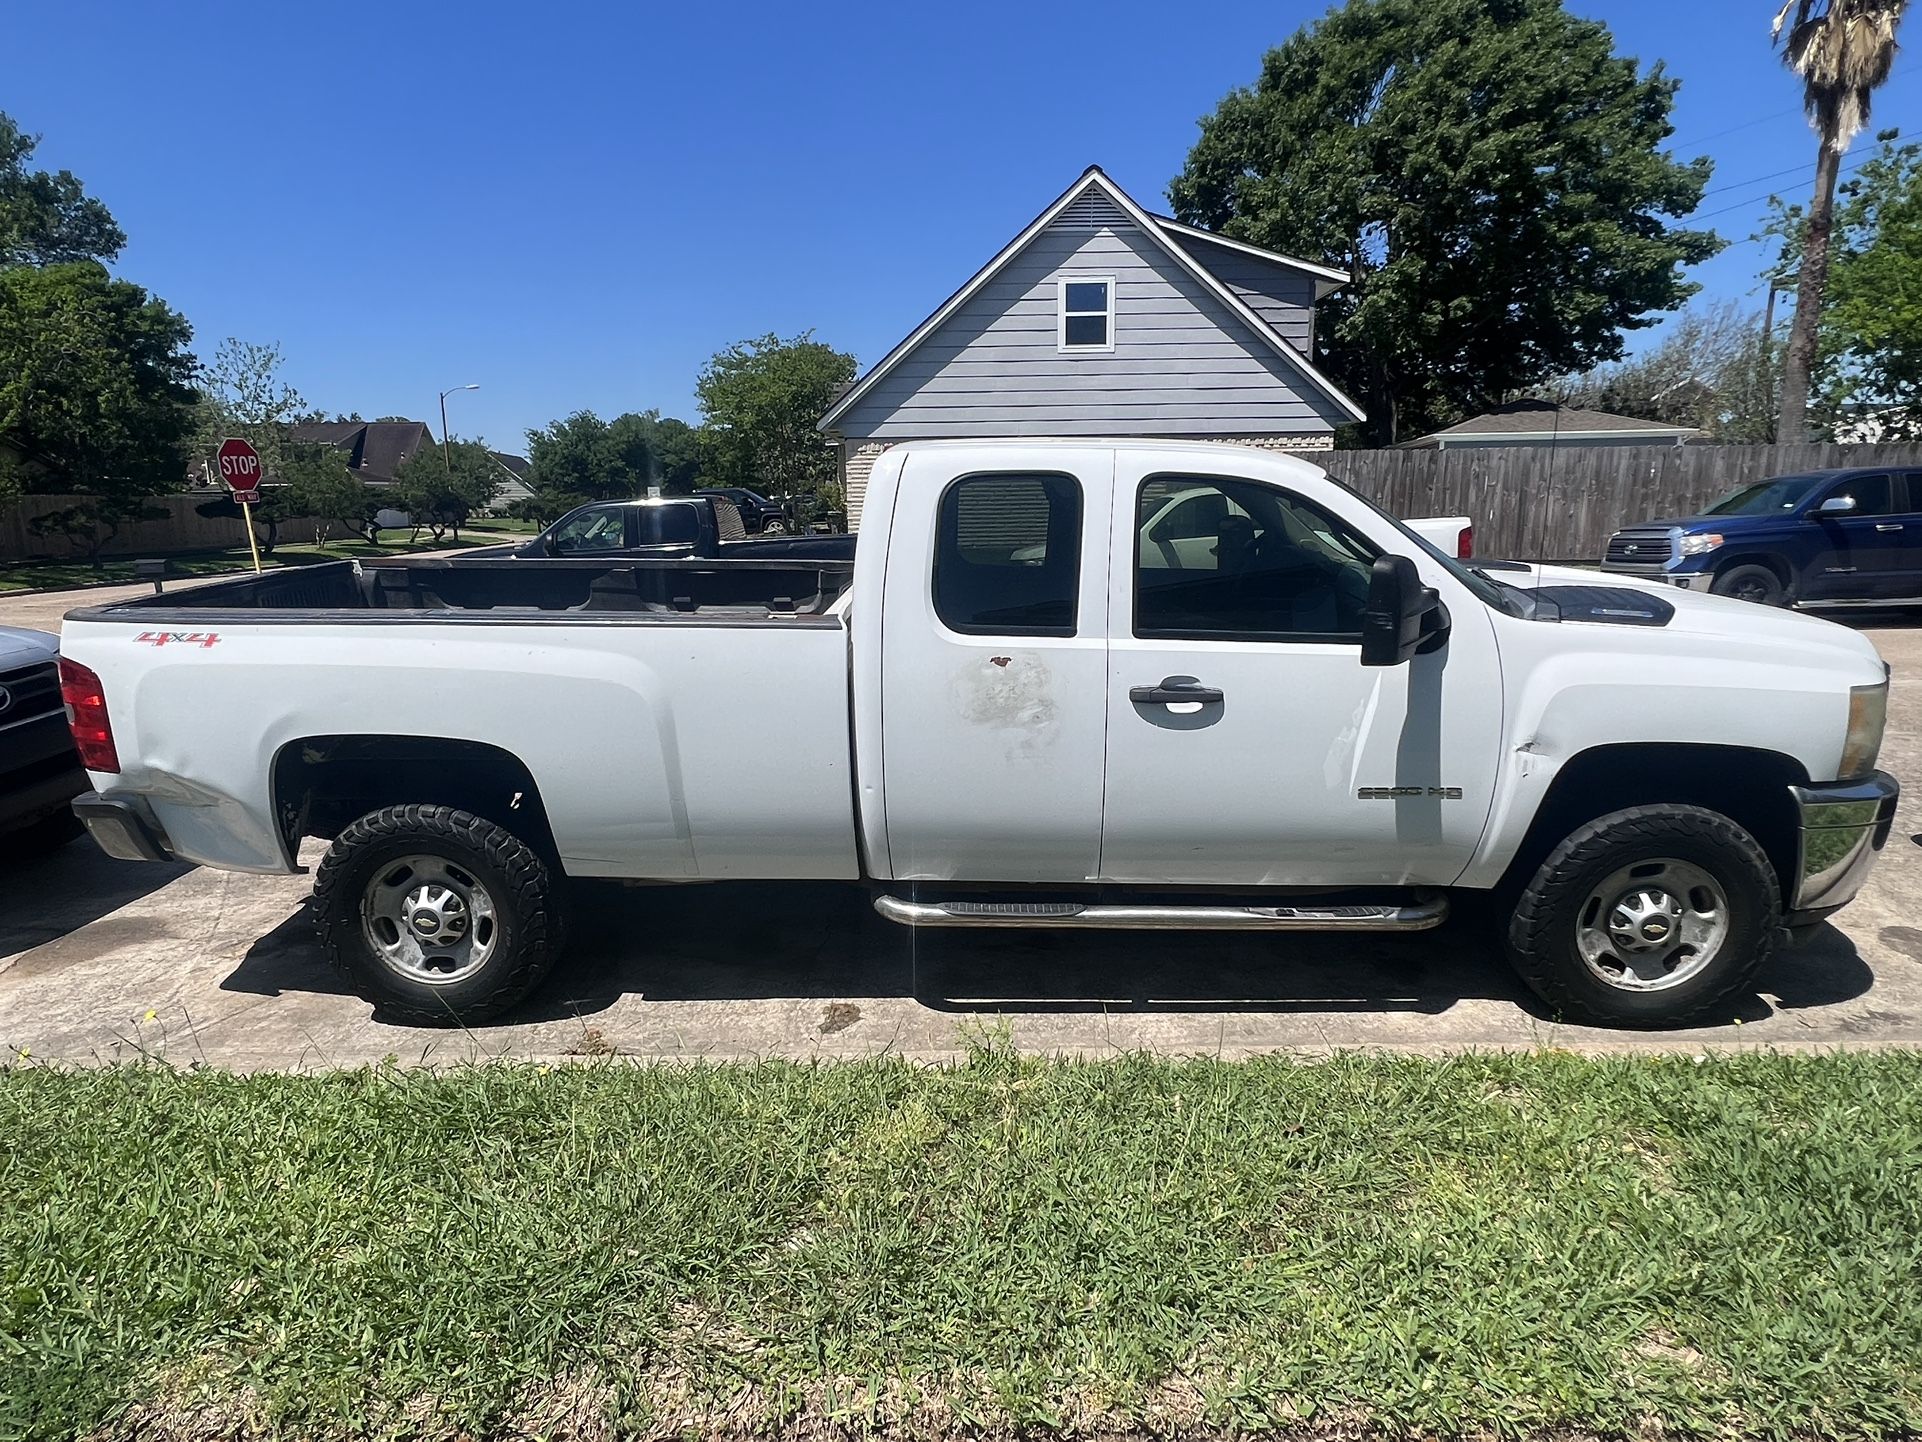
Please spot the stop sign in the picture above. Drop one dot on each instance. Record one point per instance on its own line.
(239, 465)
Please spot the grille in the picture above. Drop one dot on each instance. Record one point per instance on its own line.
(33, 691)
(1638, 548)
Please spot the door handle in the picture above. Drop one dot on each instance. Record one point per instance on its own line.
(1176, 691)
(1883, 527)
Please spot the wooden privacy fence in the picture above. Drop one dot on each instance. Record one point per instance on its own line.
(183, 530)
(1562, 503)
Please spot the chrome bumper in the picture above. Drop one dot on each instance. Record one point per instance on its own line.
(1842, 826)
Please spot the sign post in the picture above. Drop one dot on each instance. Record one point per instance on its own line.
(240, 468)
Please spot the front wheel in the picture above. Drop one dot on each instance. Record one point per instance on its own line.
(1751, 583)
(1651, 916)
(774, 528)
(436, 916)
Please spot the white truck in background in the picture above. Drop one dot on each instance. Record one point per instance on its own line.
(1061, 684)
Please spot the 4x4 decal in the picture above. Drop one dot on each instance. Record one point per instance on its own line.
(202, 639)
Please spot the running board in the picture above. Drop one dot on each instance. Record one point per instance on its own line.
(1411, 916)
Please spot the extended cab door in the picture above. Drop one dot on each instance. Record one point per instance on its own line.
(994, 664)
(1247, 744)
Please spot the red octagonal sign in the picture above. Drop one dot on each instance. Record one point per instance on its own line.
(239, 464)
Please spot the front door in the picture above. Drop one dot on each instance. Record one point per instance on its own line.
(1293, 764)
(1859, 554)
(994, 665)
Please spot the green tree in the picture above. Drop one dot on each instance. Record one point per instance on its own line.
(442, 494)
(1867, 373)
(1490, 173)
(677, 455)
(319, 485)
(760, 399)
(577, 456)
(1843, 50)
(96, 386)
(47, 218)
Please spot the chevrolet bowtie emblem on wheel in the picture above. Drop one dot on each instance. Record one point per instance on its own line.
(1397, 793)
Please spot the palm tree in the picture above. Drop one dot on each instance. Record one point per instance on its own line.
(1842, 49)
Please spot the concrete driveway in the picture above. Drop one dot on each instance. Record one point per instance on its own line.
(101, 959)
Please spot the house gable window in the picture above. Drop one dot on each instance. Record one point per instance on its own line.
(1086, 310)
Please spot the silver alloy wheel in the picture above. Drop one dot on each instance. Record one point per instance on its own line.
(1652, 925)
(429, 919)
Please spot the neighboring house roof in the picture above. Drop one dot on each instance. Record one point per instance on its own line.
(375, 449)
(1178, 242)
(514, 471)
(1536, 420)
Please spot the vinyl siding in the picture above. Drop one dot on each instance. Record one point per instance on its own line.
(1182, 363)
(1282, 296)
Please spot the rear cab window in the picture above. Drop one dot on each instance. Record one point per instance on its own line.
(1007, 554)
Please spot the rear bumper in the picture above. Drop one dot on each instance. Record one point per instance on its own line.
(120, 828)
(1843, 824)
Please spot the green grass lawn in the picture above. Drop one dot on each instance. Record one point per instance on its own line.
(1498, 1245)
(54, 575)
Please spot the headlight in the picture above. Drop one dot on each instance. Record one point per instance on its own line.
(1868, 714)
(1700, 545)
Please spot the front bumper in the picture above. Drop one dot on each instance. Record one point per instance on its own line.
(121, 829)
(1841, 826)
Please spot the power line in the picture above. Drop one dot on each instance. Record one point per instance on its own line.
(1772, 115)
(1755, 199)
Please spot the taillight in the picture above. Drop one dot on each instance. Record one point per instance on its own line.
(1465, 544)
(87, 716)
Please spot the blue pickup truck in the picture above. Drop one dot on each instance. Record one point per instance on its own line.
(1822, 538)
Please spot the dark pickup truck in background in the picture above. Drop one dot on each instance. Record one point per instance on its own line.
(39, 767)
(1821, 538)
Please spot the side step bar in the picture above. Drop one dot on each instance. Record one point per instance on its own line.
(1410, 916)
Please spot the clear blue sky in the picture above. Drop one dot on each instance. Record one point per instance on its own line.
(574, 204)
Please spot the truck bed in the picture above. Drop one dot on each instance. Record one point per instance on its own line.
(783, 589)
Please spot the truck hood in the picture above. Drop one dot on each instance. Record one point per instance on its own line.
(21, 647)
(1698, 613)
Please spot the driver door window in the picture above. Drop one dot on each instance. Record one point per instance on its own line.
(1226, 560)
(591, 532)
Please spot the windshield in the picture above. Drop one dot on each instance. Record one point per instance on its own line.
(1764, 498)
(1504, 598)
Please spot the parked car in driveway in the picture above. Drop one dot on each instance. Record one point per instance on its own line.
(39, 769)
(1848, 537)
(1035, 697)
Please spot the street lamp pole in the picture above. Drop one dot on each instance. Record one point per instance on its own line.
(445, 459)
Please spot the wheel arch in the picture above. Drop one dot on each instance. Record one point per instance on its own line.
(1748, 785)
(321, 784)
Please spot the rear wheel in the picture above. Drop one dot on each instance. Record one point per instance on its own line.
(1652, 916)
(437, 916)
(1751, 583)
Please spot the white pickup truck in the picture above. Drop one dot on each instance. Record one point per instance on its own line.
(1062, 684)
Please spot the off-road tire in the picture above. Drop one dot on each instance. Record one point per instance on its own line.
(1541, 939)
(521, 883)
(1751, 583)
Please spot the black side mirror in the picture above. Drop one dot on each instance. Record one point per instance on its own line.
(1403, 618)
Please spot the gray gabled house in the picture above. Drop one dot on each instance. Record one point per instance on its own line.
(1102, 319)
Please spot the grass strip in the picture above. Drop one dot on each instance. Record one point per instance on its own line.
(1508, 1244)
